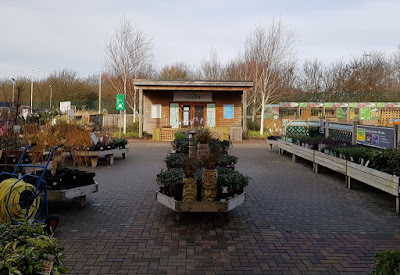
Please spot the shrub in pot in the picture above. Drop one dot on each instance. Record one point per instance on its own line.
(175, 160)
(121, 142)
(171, 182)
(227, 161)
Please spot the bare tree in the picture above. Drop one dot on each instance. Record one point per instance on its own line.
(128, 54)
(270, 51)
(311, 77)
(177, 71)
(211, 69)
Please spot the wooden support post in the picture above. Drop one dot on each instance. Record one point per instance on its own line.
(397, 204)
(244, 102)
(93, 161)
(110, 158)
(348, 182)
(293, 157)
(140, 113)
(82, 200)
(326, 129)
(354, 134)
(315, 166)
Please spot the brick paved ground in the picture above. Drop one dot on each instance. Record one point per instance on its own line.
(293, 222)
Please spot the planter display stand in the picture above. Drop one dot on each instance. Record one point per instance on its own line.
(199, 206)
(271, 143)
(108, 154)
(78, 192)
(380, 180)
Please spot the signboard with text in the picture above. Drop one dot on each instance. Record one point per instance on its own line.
(380, 137)
(228, 111)
(120, 102)
(183, 96)
(365, 113)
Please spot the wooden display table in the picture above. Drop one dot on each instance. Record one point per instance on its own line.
(77, 192)
(199, 206)
(108, 154)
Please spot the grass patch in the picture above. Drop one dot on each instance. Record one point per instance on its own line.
(256, 134)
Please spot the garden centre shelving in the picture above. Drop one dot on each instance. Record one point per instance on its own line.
(200, 206)
(77, 192)
(108, 154)
(380, 180)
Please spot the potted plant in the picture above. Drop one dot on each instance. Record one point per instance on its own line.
(227, 161)
(171, 182)
(121, 142)
(231, 179)
(175, 160)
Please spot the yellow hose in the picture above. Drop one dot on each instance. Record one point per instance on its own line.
(17, 206)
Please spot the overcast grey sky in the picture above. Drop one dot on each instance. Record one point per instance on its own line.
(49, 35)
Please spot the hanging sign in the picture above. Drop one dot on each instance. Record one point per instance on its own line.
(340, 104)
(186, 96)
(365, 113)
(303, 104)
(342, 112)
(271, 111)
(288, 104)
(120, 102)
(380, 104)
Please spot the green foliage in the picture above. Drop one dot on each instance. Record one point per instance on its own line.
(180, 135)
(203, 135)
(232, 179)
(256, 134)
(387, 263)
(313, 131)
(253, 125)
(219, 147)
(227, 161)
(172, 176)
(379, 159)
(120, 142)
(181, 145)
(175, 160)
(133, 127)
(24, 246)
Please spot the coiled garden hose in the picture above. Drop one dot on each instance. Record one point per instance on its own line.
(19, 199)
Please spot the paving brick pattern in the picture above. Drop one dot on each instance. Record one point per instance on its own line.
(292, 222)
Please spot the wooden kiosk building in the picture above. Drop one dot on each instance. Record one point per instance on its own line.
(167, 106)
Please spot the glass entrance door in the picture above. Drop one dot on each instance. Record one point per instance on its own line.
(185, 116)
(198, 115)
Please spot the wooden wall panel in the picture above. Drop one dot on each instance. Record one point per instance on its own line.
(166, 97)
(163, 98)
(222, 98)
